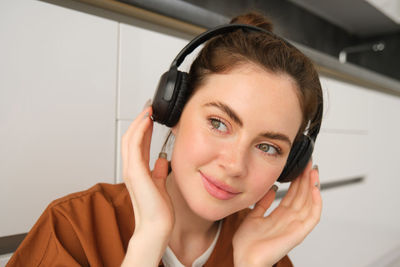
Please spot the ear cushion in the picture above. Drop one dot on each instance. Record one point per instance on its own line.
(181, 88)
(299, 156)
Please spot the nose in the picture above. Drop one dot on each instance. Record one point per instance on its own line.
(233, 159)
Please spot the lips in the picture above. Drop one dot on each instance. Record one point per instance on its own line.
(218, 189)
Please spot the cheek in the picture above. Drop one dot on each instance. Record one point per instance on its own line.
(261, 181)
(193, 144)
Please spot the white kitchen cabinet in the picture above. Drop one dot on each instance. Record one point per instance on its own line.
(57, 106)
(145, 54)
(345, 106)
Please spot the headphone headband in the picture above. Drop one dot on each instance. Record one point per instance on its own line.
(207, 35)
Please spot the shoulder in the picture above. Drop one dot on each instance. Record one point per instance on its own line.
(102, 197)
(110, 193)
(103, 208)
(93, 226)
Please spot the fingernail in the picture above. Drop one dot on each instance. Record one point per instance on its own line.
(317, 184)
(275, 187)
(146, 115)
(147, 104)
(162, 155)
(315, 167)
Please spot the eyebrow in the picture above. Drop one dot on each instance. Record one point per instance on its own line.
(277, 136)
(227, 110)
(235, 117)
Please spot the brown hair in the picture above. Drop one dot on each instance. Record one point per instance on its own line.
(224, 52)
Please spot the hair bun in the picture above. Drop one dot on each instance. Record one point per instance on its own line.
(255, 19)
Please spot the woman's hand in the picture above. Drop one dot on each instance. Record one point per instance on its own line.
(154, 215)
(263, 241)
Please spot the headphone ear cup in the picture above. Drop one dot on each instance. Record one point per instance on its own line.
(181, 91)
(299, 156)
(163, 97)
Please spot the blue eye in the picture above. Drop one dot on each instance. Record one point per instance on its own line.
(268, 149)
(218, 125)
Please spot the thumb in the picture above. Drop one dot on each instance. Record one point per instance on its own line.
(264, 203)
(160, 171)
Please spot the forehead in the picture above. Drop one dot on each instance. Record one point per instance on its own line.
(262, 99)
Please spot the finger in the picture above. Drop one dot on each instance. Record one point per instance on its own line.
(160, 172)
(146, 142)
(293, 189)
(315, 188)
(287, 199)
(126, 138)
(264, 203)
(316, 203)
(138, 128)
(308, 203)
(129, 162)
(303, 191)
(132, 127)
(136, 161)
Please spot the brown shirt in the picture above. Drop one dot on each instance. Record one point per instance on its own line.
(93, 228)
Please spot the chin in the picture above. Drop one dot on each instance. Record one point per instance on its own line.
(212, 209)
(210, 213)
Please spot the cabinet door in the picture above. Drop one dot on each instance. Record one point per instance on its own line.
(57, 106)
(341, 147)
(345, 106)
(146, 52)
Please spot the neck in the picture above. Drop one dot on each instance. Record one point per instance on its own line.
(192, 234)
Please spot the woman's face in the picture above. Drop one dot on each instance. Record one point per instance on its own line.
(233, 139)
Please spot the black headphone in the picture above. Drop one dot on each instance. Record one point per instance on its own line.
(172, 93)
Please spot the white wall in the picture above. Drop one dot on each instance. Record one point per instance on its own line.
(71, 83)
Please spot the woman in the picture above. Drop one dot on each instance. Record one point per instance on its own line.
(231, 144)
(252, 97)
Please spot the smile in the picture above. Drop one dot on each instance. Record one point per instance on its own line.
(217, 189)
